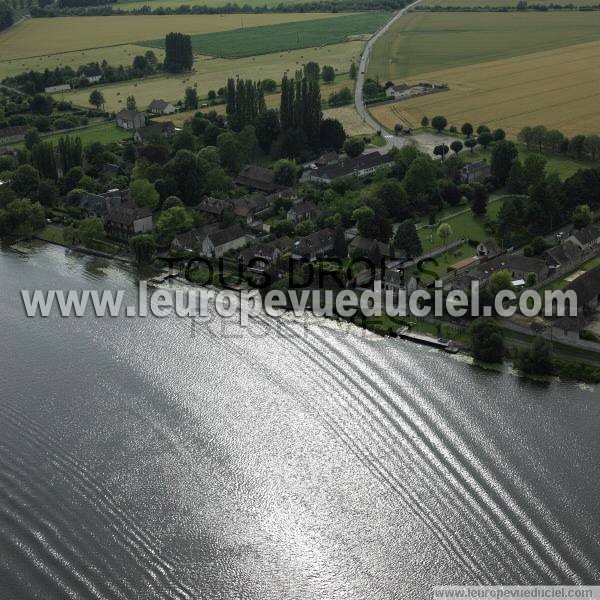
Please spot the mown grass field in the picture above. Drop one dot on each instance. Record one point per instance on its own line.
(425, 42)
(43, 37)
(504, 3)
(211, 74)
(555, 88)
(253, 41)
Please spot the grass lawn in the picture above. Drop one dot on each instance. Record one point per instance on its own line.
(104, 132)
(51, 233)
(464, 226)
(555, 163)
(252, 41)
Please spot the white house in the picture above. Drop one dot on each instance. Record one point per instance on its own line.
(220, 242)
(161, 107)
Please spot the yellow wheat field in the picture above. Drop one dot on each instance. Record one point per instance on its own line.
(42, 37)
(556, 88)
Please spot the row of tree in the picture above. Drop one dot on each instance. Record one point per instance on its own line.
(245, 102)
(553, 140)
(178, 53)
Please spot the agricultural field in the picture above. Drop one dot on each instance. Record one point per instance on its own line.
(503, 3)
(553, 88)
(43, 37)
(172, 4)
(104, 132)
(425, 42)
(253, 41)
(114, 55)
(212, 73)
(350, 119)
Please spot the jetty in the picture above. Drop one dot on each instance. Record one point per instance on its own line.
(441, 343)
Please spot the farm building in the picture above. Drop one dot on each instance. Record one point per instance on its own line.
(161, 107)
(130, 119)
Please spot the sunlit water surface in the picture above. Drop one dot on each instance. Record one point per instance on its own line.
(142, 459)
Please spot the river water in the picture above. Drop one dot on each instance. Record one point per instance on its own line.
(140, 458)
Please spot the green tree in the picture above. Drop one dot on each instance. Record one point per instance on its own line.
(515, 183)
(537, 359)
(190, 101)
(503, 156)
(97, 99)
(479, 200)
(32, 137)
(268, 129)
(456, 146)
(131, 103)
(173, 221)
(483, 129)
(485, 139)
(143, 193)
(353, 70)
(230, 151)
(439, 123)
(312, 70)
(143, 247)
(467, 129)
(25, 181)
(406, 238)
(471, 143)
(424, 122)
(582, 216)
(444, 232)
(21, 218)
(441, 150)
(354, 147)
(328, 74)
(91, 229)
(332, 134)
(499, 134)
(487, 341)
(499, 281)
(178, 53)
(286, 172)
(365, 219)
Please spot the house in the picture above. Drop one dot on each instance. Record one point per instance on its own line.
(476, 172)
(213, 206)
(362, 165)
(394, 281)
(586, 239)
(249, 206)
(329, 158)
(587, 288)
(128, 220)
(396, 91)
(91, 73)
(518, 265)
(261, 255)
(488, 249)
(161, 107)
(153, 131)
(130, 119)
(257, 179)
(313, 246)
(303, 211)
(191, 241)
(13, 134)
(98, 205)
(567, 328)
(365, 247)
(562, 257)
(222, 241)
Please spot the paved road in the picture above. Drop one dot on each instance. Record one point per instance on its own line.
(391, 140)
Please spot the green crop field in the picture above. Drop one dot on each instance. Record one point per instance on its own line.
(424, 42)
(253, 41)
